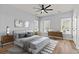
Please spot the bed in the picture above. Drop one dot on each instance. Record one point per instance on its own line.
(32, 44)
(35, 44)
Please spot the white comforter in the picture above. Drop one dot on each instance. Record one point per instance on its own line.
(33, 44)
(21, 41)
(36, 44)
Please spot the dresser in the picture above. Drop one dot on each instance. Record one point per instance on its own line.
(55, 35)
(5, 39)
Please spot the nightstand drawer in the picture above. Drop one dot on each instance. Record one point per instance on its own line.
(7, 38)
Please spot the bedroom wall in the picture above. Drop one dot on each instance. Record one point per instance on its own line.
(9, 13)
(56, 21)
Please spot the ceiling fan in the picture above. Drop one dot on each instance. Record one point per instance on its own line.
(44, 8)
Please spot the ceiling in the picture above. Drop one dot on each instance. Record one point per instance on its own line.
(57, 8)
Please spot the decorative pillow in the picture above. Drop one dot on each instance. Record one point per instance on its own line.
(29, 34)
(22, 35)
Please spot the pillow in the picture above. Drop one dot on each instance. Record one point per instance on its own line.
(22, 35)
(29, 34)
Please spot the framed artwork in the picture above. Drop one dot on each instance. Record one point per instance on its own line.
(20, 23)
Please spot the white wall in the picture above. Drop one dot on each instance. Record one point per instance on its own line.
(56, 19)
(7, 15)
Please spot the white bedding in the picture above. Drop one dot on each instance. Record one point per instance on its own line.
(38, 43)
(20, 42)
(33, 44)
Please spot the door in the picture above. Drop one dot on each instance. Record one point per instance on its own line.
(77, 32)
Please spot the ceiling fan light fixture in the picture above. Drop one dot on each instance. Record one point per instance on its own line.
(42, 10)
(45, 9)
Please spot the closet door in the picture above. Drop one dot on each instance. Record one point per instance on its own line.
(74, 29)
(77, 32)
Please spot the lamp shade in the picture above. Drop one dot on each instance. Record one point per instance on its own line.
(7, 30)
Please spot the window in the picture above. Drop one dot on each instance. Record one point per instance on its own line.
(35, 25)
(66, 25)
(45, 26)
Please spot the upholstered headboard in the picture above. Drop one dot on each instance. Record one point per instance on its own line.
(22, 34)
(55, 35)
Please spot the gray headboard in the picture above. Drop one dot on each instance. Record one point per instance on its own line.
(22, 34)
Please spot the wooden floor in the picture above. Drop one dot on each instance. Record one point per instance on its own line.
(63, 47)
(5, 48)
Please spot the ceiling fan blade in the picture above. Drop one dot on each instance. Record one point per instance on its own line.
(49, 9)
(45, 11)
(47, 6)
(42, 6)
(41, 12)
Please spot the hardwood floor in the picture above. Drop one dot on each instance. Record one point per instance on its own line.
(65, 47)
(5, 48)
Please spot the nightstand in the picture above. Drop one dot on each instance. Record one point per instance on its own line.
(6, 39)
